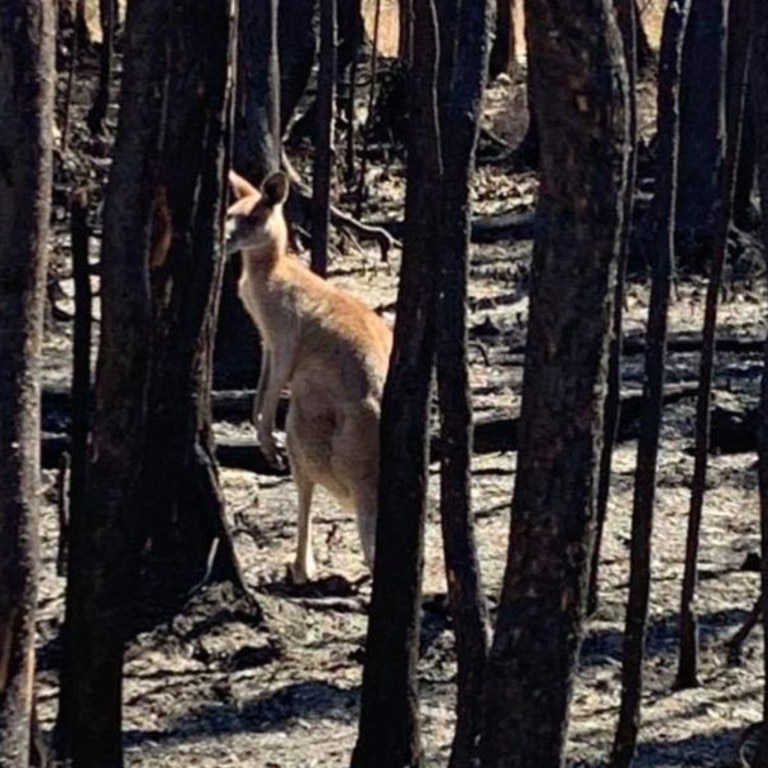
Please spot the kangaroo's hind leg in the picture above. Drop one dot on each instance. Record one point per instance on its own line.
(355, 463)
(303, 568)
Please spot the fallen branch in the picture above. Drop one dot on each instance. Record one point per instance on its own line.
(486, 229)
(503, 226)
(490, 436)
(682, 344)
(233, 406)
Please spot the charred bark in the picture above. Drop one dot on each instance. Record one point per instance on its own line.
(702, 125)
(321, 170)
(150, 484)
(108, 13)
(101, 555)
(464, 33)
(256, 151)
(647, 451)
(178, 493)
(532, 661)
(734, 83)
(256, 154)
(759, 91)
(27, 75)
(389, 734)
(626, 12)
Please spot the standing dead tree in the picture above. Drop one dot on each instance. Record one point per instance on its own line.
(182, 523)
(464, 34)
(734, 86)
(583, 124)
(27, 43)
(389, 734)
(325, 113)
(151, 483)
(89, 721)
(759, 84)
(656, 339)
(702, 123)
(255, 154)
(257, 98)
(108, 16)
(626, 11)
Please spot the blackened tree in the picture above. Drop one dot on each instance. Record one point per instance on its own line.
(759, 92)
(256, 154)
(702, 122)
(325, 113)
(389, 735)
(625, 740)
(734, 77)
(26, 118)
(626, 11)
(575, 55)
(151, 480)
(464, 35)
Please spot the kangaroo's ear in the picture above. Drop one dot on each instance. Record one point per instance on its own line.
(275, 189)
(240, 187)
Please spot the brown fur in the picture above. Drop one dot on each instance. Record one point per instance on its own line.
(331, 350)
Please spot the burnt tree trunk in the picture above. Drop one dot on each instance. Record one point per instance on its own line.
(100, 531)
(108, 14)
(389, 734)
(405, 37)
(626, 11)
(759, 93)
(322, 167)
(584, 156)
(73, 514)
(297, 40)
(256, 151)
(81, 350)
(702, 123)
(502, 57)
(150, 480)
(734, 78)
(645, 474)
(27, 76)
(463, 68)
(181, 504)
(256, 154)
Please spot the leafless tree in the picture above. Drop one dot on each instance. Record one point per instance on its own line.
(27, 32)
(389, 735)
(532, 661)
(656, 339)
(733, 89)
(151, 481)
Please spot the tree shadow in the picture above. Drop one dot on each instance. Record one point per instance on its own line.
(716, 748)
(268, 713)
(662, 636)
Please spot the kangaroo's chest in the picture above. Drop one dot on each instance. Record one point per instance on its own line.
(270, 304)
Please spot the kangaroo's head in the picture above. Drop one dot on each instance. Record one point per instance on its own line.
(255, 221)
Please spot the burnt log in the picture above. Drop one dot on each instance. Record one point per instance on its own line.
(497, 434)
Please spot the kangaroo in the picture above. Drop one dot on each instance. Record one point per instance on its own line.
(329, 348)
